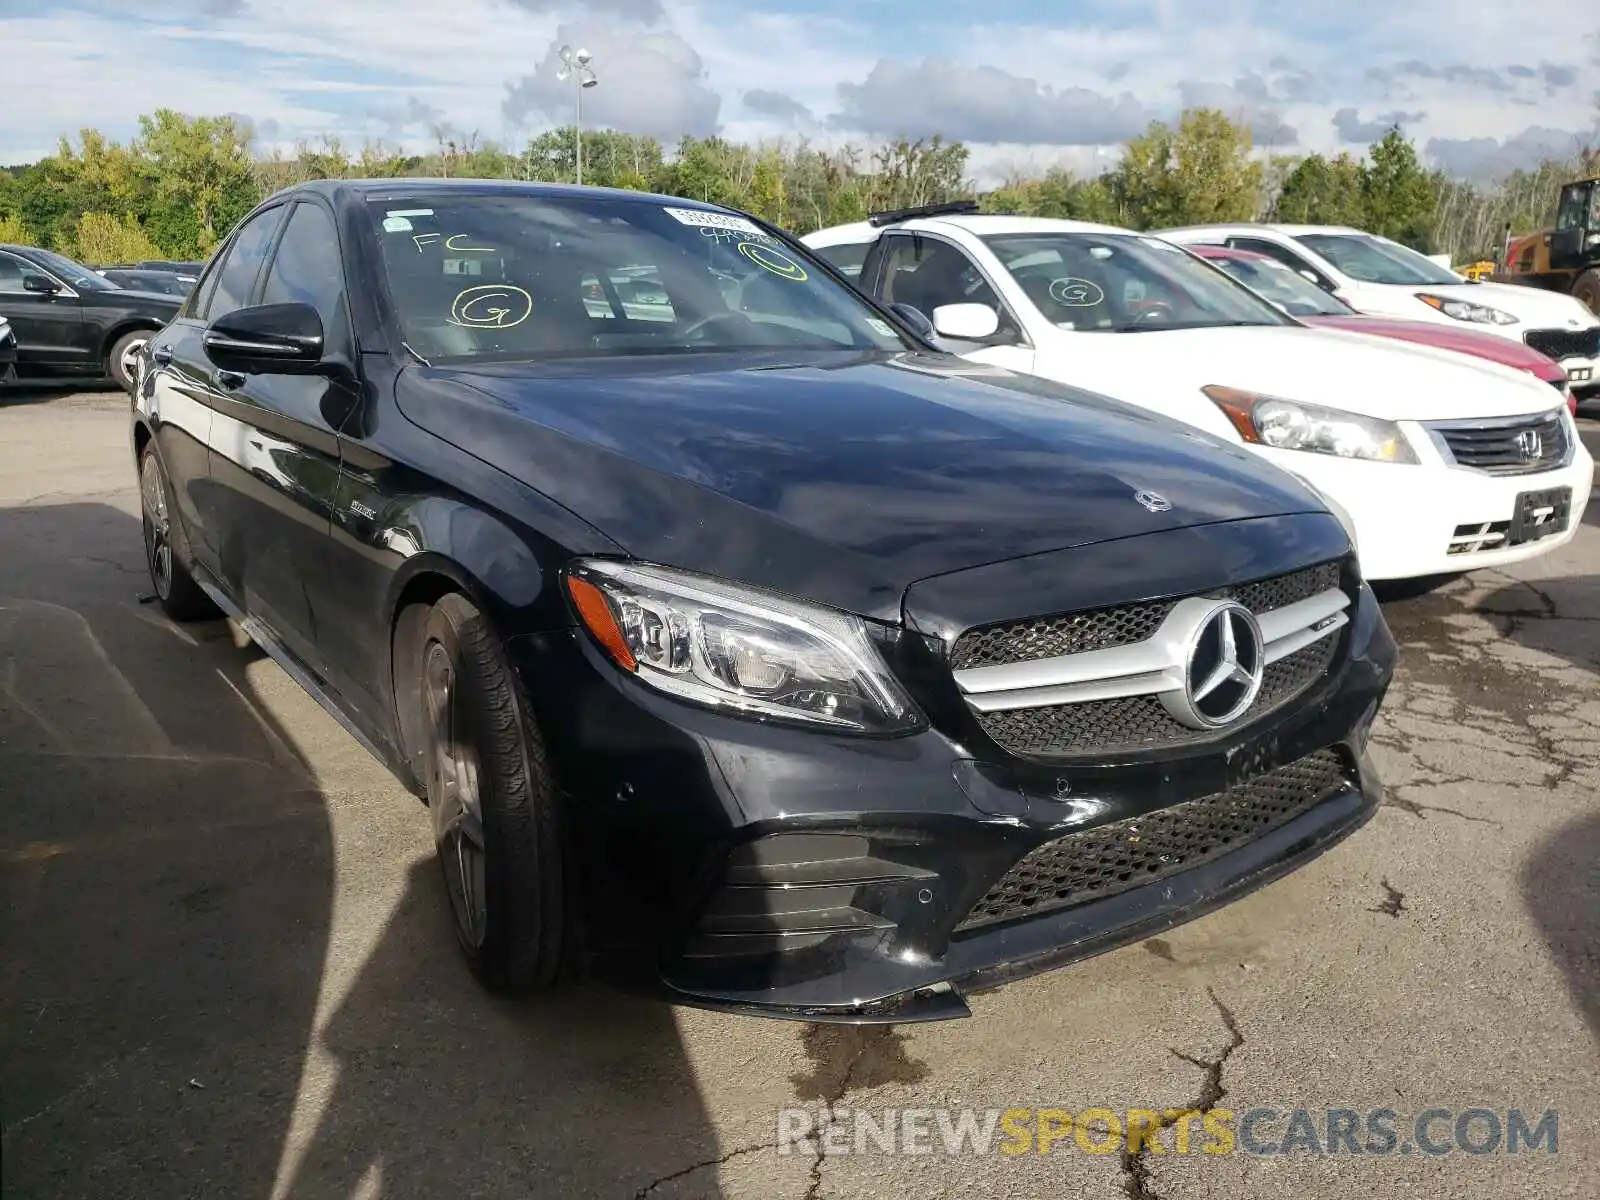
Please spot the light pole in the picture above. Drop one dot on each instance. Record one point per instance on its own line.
(575, 66)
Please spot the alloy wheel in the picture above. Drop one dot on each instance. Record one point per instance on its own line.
(157, 525)
(128, 363)
(456, 796)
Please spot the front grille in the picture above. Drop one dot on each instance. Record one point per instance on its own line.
(1103, 628)
(1513, 447)
(1108, 859)
(1565, 343)
(1133, 723)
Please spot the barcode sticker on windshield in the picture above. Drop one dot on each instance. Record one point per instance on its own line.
(714, 220)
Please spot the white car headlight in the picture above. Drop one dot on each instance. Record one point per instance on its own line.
(1290, 425)
(740, 649)
(1465, 310)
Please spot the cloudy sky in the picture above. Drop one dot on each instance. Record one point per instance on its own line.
(1481, 86)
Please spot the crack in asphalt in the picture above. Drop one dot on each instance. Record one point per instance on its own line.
(1393, 799)
(1136, 1172)
(865, 1039)
(1393, 903)
(819, 1040)
(702, 1165)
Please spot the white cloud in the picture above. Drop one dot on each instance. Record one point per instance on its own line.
(352, 68)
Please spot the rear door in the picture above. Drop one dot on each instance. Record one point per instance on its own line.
(49, 326)
(275, 446)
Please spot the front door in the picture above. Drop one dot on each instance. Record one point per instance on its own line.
(275, 448)
(48, 325)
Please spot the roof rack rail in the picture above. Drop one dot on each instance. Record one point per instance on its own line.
(895, 216)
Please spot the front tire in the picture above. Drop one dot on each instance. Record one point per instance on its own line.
(165, 550)
(495, 818)
(122, 361)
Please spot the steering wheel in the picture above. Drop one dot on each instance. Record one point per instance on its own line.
(1153, 310)
(717, 318)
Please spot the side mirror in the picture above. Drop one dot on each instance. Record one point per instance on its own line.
(41, 284)
(269, 339)
(966, 322)
(914, 317)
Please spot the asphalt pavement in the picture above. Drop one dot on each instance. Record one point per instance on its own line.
(227, 966)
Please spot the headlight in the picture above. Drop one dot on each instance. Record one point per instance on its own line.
(739, 649)
(1290, 425)
(1465, 310)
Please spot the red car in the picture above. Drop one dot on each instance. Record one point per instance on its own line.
(1305, 301)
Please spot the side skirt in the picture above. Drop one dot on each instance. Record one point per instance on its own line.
(303, 675)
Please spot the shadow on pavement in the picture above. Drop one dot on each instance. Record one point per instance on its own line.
(1562, 890)
(39, 391)
(171, 874)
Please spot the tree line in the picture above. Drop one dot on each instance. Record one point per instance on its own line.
(177, 187)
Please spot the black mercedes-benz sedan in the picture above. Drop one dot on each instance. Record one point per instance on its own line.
(744, 646)
(71, 321)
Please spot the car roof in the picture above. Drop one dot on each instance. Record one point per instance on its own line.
(362, 189)
(1245, 228)
(983, 224)
(1229, 252)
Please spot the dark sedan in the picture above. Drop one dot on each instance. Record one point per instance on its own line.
(70, 321)
(168, 283)
(744, 646)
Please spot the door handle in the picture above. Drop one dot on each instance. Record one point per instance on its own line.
(228, 380)
(161, 356)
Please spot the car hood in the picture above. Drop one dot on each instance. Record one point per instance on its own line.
(1464, 341)
(155, 302)
(1165, 370)
(1534, 307)
(841, 478)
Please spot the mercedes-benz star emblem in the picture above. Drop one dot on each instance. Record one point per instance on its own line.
(1154, 501)
(1531, 445)
(1222, 668)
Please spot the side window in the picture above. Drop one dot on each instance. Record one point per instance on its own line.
(1570, 214)
(848, 257)
(14, 270)
(200, 294)
(307, 269)
(927, 274)
(237, 277)
(1284, 255)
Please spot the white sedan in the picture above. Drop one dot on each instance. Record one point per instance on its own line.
(1382, 278)
(1439, 463)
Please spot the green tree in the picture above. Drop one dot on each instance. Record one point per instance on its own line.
(766, 189)
(1320, 191)
(103, 239)
(1199, 172)
(203, 174)
(1398, 197)
(12, 230)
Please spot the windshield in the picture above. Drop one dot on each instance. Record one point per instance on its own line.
(1123, 283)
(71, 273)
(1281, 284)
(522, 276)
(1373, 260)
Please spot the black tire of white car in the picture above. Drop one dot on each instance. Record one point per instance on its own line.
(124, 353)
(496, 819)
(166, 550)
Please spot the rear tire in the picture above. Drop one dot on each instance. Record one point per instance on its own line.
(166, 551)
(495, 817)
(1587, 290)
(122, 359)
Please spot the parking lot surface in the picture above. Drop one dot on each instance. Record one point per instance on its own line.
(228, 968)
